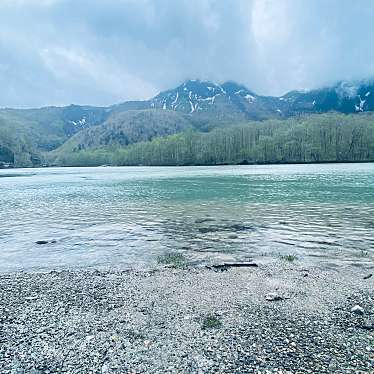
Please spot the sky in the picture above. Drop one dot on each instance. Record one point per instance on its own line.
(102, 52)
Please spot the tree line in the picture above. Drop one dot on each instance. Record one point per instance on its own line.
(317, 138)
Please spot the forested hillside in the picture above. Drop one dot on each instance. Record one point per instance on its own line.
(316, 138)
(33, 137)
(128, 127)
(15, 151)
(26, 133)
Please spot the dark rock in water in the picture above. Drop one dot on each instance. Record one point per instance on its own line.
(233, 236)
(239, 227)
(233, 227)
(202, 220)
(41, 242)
(205, 230)
(368, 276)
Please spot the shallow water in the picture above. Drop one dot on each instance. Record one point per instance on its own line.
(129, 216)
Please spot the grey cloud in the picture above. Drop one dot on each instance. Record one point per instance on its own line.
(55, 52)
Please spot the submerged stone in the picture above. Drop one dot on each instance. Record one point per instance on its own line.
(202, 220)
(232, 236)
(41, 242)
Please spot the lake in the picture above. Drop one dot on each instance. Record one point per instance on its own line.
(127, 217)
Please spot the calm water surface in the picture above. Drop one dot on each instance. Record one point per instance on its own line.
(127, 217)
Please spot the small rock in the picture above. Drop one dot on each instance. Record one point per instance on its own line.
(273, 297)
(368, 325)
(358, 310)
(147, 343)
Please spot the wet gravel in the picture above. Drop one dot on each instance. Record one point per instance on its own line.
(188, 321)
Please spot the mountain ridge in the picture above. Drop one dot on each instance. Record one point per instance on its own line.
(27, 133)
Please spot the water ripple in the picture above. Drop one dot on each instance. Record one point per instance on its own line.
(129, 216)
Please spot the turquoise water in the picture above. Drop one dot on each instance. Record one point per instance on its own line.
(126, 217)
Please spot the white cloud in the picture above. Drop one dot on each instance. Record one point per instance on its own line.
(100, 52)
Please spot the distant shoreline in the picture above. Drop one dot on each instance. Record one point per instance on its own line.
(198, 165)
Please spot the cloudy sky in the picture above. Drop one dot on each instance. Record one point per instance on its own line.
(100, 52)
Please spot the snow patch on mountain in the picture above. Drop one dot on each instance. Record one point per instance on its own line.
(80, 123)
(250, 98)
(194, 107)
(210, 100)
(175, 100)
(360, 107)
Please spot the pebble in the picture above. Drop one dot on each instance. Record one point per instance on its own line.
(149, 322)
(147, 343)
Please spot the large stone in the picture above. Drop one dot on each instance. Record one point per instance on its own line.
(358, 310)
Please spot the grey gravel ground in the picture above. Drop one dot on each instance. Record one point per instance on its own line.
(188, 321)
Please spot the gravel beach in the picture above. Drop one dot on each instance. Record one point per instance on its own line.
(278, 318)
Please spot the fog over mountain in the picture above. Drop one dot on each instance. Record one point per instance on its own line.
(57, 52)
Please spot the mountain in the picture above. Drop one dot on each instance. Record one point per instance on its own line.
(47, 128)
(344, 97)
(26, 134)
(230, 101)
(213, 102)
